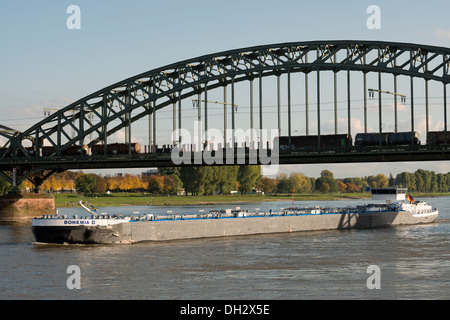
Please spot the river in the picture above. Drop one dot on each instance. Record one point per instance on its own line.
(413, 262)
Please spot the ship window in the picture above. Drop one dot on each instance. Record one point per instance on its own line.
(384, 191)
(388, 191)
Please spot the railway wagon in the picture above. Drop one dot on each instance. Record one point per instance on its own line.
(70, 151)
(437, 137)
(387, 139)
(311, 142)
(115, 148)
(48, 151)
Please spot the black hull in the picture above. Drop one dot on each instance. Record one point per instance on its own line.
(70, 235)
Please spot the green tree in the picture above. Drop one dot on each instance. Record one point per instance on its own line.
(391, 180)
(442, 182)
(326, 177)
(433, 182)
(226, 178)
(175, 174)
(381, 181)
(326, 173)
(248, 177)
(283, 183)
(419, 175)
(86, 183)
(329, 187)
(324, 187)
(197, 180)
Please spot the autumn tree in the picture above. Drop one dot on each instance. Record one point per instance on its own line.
(342, 187)
(100, 184)
(155, 184)
(382, 180)
(175, 174)
(267, 185)
(299, 183)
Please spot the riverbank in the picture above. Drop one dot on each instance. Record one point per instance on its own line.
(142, 199)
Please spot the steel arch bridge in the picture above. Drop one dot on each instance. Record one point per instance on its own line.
(118, 106)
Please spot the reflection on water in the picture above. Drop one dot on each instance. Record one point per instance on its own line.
(414, 263)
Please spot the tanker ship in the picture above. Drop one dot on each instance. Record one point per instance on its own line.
(396, 209)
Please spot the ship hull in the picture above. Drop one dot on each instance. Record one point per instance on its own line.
(75, 235)
(131, 232)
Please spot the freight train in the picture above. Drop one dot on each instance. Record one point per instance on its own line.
(311, 142)
(344, 140)
(111, 149)
(438, 137)
(115, 149)
(387, 139)
(284, 143)
(48, 151)
(70, 151)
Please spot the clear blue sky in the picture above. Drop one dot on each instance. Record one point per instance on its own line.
(44, 64)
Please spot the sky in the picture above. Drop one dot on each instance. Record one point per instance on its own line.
(44, 64)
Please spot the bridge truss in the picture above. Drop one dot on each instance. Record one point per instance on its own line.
(118, 106)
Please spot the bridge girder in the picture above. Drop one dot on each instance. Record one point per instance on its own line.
(158, 88)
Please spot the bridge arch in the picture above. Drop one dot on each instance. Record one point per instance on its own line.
(134, 98)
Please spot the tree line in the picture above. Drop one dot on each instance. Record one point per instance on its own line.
(226, 179)
(423, 181)
(175, 180)
(326, 183)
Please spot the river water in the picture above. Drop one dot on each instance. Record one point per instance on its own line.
(413, 262)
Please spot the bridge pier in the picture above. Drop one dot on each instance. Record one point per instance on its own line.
(15, 188)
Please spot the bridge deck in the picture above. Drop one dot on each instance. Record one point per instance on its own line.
(310, 156)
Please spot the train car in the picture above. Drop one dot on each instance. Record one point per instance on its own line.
(115, 148)
(31, 151)
(76, 150)
(19, 153)
(387, 139)
(48, 151)
(311, 142)
(437, 137)
(70, 151)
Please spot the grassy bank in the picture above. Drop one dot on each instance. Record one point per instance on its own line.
(140, 199)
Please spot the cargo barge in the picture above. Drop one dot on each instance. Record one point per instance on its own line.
(124, 229)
